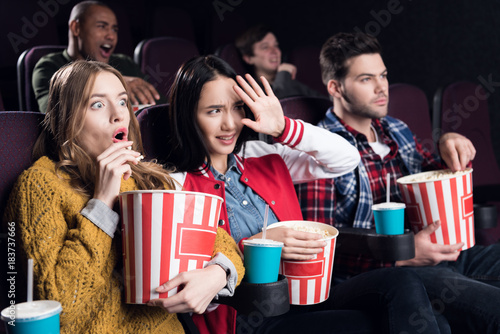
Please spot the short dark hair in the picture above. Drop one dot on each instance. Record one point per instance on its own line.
(339, 48)
(245, 42)
(189, 150)
(79, 11)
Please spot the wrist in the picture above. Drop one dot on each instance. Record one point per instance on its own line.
(280, 132)
(219, 273)
(286, 126)
(109, 202)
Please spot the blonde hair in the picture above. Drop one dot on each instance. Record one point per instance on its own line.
(69, 94)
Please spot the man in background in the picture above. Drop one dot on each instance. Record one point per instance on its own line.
(260, 51)
(92, 35)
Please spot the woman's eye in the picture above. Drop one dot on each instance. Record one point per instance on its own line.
(97, 105)
(214, 111)
(123, 103)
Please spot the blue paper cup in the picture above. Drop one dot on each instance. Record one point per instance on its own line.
(262, 260)
(39, 316)
(389, 218)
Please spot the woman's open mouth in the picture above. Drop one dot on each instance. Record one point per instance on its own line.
(120, 135)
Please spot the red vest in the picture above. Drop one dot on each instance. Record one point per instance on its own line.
(268, 176)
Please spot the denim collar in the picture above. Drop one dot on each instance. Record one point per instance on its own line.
(231, 165)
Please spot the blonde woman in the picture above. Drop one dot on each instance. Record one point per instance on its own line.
(63, 208)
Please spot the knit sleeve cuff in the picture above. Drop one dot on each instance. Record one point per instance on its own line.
(102, 216)
(293, 133)
(232, 275)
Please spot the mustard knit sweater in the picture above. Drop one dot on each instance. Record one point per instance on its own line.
(78, 264)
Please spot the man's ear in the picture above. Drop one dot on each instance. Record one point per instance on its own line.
(74, 26)
(248, 59)
(333, 87)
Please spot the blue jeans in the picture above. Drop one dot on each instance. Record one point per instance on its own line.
(390, 300)
(467, 291)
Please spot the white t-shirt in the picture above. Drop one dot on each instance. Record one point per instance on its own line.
(378, 147)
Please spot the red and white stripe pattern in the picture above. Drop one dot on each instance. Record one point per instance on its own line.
(309, 281)
(293, 133)
(449, 200)
(165, 233)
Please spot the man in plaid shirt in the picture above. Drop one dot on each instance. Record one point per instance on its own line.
(356, 78)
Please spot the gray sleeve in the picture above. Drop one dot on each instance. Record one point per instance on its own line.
(284, 86)
(232, 276)
(102, 216)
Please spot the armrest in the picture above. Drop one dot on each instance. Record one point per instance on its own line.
(486, 193)
(378, 246)
(485, 216)
(268, 300)
(485, 211)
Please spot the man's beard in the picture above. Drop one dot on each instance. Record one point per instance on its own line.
(363, 110)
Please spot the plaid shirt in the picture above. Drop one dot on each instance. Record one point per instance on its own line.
(346, 200)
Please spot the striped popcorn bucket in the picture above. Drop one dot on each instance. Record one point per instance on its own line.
(442, 195)
(164, 233)
(309, 281)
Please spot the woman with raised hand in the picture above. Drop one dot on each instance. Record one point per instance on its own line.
(212, 113)
(89, 152)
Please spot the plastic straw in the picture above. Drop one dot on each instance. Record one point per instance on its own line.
(388, 190)
(30, 280)
(266, 213)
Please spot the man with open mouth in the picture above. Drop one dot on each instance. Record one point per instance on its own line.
(93, 35)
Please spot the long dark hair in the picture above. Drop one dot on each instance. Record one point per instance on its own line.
(189, 150)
